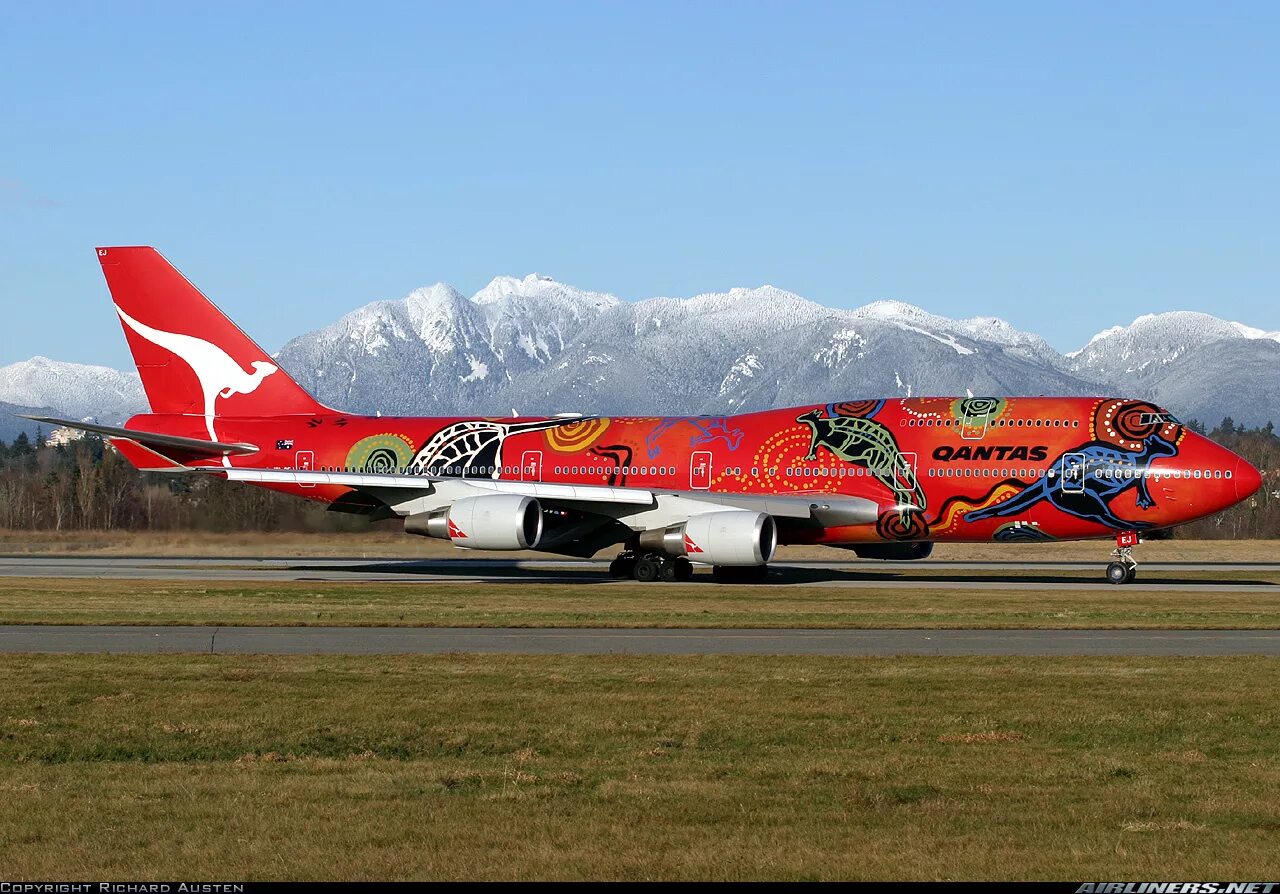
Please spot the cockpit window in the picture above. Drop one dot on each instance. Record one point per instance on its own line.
(1157, 418)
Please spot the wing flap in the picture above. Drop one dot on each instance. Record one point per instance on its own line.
(826, 510)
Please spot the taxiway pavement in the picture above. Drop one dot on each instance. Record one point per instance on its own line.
(631, 641)
(929, 574)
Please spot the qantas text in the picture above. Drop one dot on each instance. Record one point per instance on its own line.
(983, 452)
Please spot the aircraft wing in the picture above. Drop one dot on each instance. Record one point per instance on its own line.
(414, 493)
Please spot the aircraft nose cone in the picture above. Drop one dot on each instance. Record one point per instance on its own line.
(1247, 479)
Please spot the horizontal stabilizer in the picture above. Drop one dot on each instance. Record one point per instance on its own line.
(154, 439)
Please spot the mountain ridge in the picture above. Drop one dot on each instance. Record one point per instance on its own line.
(535, 345)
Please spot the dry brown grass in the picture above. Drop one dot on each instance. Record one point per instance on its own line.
(543, 767)
(391, 544)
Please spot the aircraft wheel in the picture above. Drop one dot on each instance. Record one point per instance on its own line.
(1133, 574)
(1118, 573)
(683, 569)
(648, 569)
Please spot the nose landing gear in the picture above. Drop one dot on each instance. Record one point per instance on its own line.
(1123, 568)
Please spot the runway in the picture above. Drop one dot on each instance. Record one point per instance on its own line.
(627, 641)
(1164, 577)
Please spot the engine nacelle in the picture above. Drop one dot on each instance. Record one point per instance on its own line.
(728, 537)
(894, 552)
(493, 521)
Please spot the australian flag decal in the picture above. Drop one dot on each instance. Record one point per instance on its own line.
(283, 444)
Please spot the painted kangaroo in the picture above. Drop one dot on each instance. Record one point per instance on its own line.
(866, 442)
(218, 372)
(1084, 492)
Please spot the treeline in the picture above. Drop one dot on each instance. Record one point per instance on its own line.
(85, 485)
(1259, 516)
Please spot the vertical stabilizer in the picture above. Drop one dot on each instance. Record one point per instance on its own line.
(191, 358)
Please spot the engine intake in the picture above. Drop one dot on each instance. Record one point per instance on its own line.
(729, 537)
(494, 521)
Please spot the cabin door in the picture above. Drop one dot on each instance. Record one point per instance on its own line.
(909, 471)
(1072, 473)
(700, 470)
(531, 466)
(973, 426)
(305, 461)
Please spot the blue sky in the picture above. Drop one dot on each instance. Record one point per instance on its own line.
(1065, 166)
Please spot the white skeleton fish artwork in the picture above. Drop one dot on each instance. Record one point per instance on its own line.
(473, 448)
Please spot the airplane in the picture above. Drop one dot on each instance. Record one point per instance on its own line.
(885, 478)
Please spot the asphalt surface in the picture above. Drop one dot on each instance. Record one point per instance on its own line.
(929, 574)
(605, 641)
(648, 641)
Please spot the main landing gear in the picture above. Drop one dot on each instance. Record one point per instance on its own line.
(1123, 568)
(647, 567)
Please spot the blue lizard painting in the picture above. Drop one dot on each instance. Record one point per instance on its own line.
(1089, 478)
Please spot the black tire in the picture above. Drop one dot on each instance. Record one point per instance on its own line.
(683, 569)
(1133, 574)
(648, 570)
(1118, 573)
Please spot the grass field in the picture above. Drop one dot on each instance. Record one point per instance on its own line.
(394, 544)
(620, 604)
(638, 768)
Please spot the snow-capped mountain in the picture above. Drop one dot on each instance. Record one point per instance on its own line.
(542, 347)
(76, 390)
(436, 350)
(539, 346)
(1154, 341)
(1197, 365)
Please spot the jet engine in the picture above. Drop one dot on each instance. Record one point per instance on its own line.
(493, 521)
(728, 537)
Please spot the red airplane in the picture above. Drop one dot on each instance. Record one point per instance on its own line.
(886, 478)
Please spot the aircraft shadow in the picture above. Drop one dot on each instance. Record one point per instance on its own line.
(508, 571)
(822, 575)
(497, 571)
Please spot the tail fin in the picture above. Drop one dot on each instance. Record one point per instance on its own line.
(191, 358)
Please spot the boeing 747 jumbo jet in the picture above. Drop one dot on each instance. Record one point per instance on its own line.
(884, 477)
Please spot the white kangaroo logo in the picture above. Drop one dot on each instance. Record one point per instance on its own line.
(219, 374)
